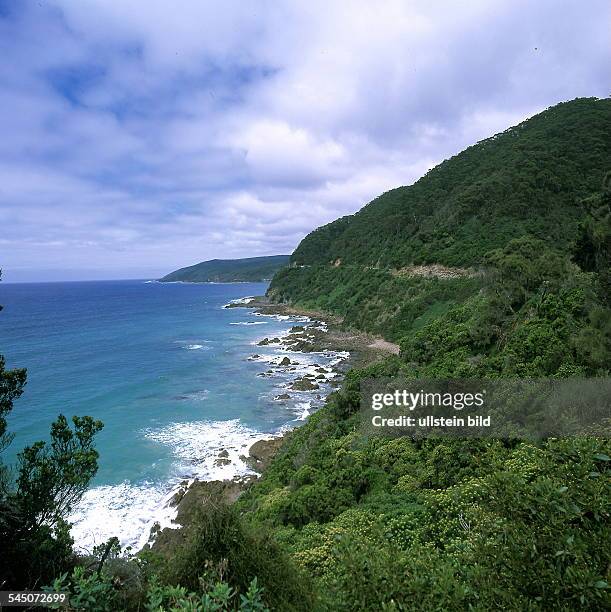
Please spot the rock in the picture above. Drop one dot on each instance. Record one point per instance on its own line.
(154, 532)
(263, 342)
(322, 370)
(262, 452)
(177, 497)
(282, 396)
(321, 377)
(285, 361)
(303, 384)
(222, 458)
(255, 356)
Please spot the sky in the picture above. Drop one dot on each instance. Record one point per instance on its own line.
(139, 136)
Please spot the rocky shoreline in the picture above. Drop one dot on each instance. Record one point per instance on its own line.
(319, 333)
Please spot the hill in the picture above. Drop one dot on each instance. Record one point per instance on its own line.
(409, 254)
(526, 180)
(250, 269)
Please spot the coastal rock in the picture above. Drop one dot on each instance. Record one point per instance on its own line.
(222, 458)
(282, 396)
(285, 361)
(262, 452)
(177, 497)
(303, 384)
(267, 341)
(301, 345)
(154, 532)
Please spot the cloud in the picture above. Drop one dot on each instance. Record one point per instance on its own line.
(143, 136)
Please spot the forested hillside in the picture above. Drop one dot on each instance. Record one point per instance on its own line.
(529, 179)
(521, 205)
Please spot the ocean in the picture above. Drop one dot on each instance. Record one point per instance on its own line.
(168, 370)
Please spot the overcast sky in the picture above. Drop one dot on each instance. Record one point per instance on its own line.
(141, 136)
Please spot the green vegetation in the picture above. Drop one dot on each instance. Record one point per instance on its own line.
(462, 524)
(251, 269)
(434, 525)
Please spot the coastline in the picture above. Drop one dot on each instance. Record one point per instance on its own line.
(316, 333)
(363, 348)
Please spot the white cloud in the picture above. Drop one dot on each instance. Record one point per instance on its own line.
(161, 134)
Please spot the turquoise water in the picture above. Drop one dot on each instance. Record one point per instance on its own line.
(166, 368)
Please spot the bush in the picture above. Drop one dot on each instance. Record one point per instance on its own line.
(220, 548)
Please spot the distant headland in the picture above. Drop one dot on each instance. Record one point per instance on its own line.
(250, 269)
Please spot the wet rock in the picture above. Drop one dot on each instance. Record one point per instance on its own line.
(154, 532)
(222, 458)
(177, 497)
(282, 396)
(285, 361)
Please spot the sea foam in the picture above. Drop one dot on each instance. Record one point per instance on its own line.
(129, 510)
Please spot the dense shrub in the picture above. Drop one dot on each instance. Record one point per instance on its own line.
(220, 548)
